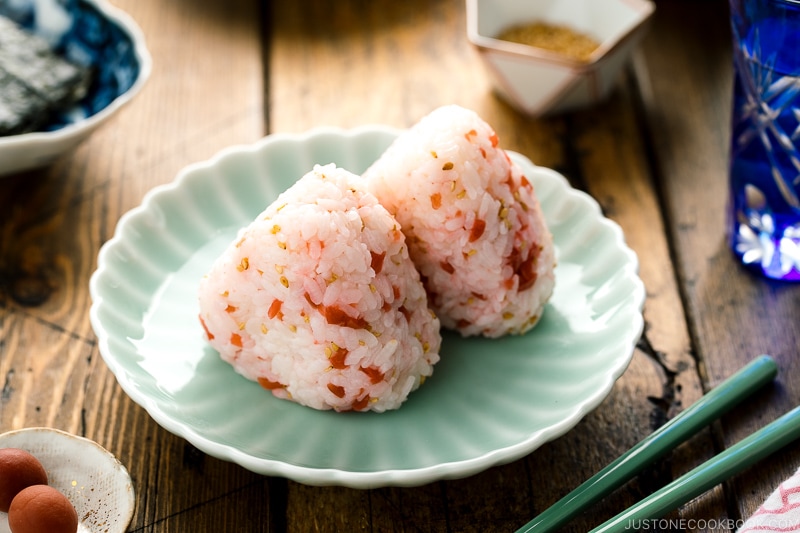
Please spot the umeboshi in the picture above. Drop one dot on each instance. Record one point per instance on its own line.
(18, 470)
(42, 509)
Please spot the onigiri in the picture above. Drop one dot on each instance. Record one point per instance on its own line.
(318, 301)
(474, 226)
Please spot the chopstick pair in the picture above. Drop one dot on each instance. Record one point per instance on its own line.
(724, 465)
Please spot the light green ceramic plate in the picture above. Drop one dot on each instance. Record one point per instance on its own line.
(489, 401)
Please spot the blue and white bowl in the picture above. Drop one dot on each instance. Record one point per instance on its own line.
(91, 33)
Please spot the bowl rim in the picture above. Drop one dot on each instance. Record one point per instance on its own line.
(126, 24)
(485, 43)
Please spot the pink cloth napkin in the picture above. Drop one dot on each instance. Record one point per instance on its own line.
(780, 511)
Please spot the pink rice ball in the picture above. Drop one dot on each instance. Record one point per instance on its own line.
(473, 223)
(318, 301)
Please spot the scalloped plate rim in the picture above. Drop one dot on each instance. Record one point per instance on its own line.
(336, 476)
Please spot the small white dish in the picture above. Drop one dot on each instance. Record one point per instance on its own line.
(91, 478)
(541, 82)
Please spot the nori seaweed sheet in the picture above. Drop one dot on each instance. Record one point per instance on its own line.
(21, 109)
(34, 81)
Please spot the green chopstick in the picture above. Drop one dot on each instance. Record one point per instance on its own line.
(701, 413)
(709, 474)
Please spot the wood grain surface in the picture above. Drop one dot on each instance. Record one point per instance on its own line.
(228, 72)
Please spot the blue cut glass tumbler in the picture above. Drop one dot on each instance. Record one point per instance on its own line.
(764, 206)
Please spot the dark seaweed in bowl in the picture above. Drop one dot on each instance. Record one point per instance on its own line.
(88, 38)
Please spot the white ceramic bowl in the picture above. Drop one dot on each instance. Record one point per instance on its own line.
(89, 32)
(91, 478)
(540, 82)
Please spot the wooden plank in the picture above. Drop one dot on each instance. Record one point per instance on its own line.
(387, 63)
(615, 169)
(375, 63)
(734, 316)
(205, 93)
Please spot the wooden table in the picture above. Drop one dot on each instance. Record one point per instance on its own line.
(229, 72)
